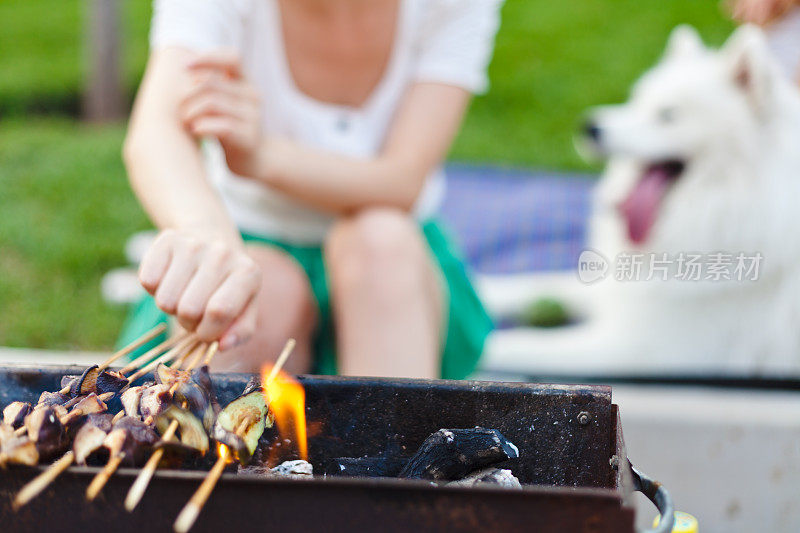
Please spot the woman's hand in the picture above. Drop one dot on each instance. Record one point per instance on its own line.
(759, 11)
(210, 286)
(224, 105)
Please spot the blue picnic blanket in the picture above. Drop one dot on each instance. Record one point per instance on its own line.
(510, 220)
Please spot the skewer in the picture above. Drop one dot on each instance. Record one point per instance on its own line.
(189, 514)
(40, 482)
(148, 355)
(194, 506)
(103, 476)
(114, 461)
(66, 419)
(186, 343)
(141, 341)
(139, 486)
(287, 351)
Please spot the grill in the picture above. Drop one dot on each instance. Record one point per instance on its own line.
(572, 464)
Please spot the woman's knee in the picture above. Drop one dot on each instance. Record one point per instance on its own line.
(286, 302)
(377, 248)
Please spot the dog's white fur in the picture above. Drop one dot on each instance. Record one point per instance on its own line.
(735, 121)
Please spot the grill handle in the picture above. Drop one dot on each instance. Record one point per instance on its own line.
(657, 494)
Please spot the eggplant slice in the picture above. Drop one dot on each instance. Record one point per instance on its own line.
(14, 414)
(242, 422)
(190, 429)
(155, 400)
(110, 381)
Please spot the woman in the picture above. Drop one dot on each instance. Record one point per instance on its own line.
(309, 204)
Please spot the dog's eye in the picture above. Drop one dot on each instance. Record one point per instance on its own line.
(666, 115)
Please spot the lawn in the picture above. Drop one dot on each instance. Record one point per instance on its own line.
(66, 205)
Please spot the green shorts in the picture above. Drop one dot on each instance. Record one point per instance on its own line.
(467, 322)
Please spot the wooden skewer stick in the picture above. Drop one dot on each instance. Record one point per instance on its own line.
(199, 347)
(141, 341)
(103, 476)
(40, 482)
(191, 511)
(212, 351)
(117, 416)
(189, 514)
(139, 486)
(185, 344)
(150, 354)
(287, 351)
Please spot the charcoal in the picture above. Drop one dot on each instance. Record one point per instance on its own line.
(14, 414)
(293, 469)
(110, 381)
(365, 466)
(451, 454)
(488, 476)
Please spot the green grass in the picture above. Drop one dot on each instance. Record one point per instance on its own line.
(67, 209)
(66, 212)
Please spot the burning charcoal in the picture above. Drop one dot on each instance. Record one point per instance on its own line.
(191, 430)
(242, 422)
(365, 466)
(14, 414)
(51, 398)
(488, 476)
(88, 440)
(155, 400)
(451, 454)
(46, 430)
(294, 469)
(87, 383)
(130, 400)
(110, 381)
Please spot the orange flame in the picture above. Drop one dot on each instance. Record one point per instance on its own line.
(224, 451)
(287, 401)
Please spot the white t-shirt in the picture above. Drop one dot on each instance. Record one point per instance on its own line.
(783, 36)
(445, 41)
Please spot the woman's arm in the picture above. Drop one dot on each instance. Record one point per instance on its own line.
(197, 268)
(425, 124)
(419, 139)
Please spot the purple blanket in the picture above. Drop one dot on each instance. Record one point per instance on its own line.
(510, 220)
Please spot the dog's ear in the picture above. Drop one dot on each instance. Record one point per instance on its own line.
(683, 41)
(749, 64)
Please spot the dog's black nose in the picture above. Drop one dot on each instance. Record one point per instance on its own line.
(592, 130)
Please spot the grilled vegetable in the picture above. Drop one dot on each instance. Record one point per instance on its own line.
(88, 440)
(130, 400)
(187, 392)
(133, 438)
(242, 422)
(16, 449)
(155, 400)
(87, 383)
(190, 429)
(90, 404)
(110, 381)
(45, 429)
(14, 414)
(51, 398)
(70, 381)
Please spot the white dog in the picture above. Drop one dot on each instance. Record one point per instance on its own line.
(704, 158)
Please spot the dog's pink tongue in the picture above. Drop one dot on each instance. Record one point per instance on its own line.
(640, 208)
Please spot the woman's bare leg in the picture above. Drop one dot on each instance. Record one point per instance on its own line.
(286, 309)
(387, 296)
